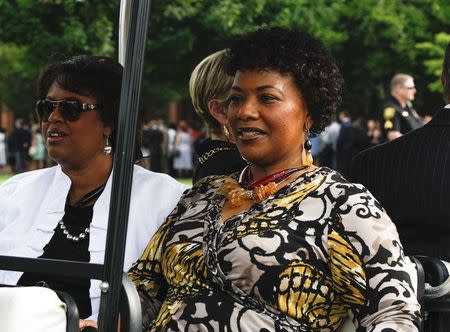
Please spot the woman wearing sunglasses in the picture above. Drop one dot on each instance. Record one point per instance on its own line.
(62, 212)
(282, 245)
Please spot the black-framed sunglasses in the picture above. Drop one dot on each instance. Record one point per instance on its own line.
(70, 109)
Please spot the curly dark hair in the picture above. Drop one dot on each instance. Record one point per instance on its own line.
(298, 53)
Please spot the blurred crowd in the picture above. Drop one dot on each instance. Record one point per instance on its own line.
(171, 147)
(22, 149)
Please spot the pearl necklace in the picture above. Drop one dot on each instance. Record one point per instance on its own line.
(83, 201)
(71, 237)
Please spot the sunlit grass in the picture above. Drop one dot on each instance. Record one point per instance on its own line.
(4, 177)
(186, 181)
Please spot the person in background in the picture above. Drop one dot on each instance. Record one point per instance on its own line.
(374, 132)
(155, 139)
(352, 140)
(61, 212)
(410, 177)
(171, 134)
(329, 138)
(3, 152)
(145, 144)
(19, 141)
(164, 145)
(209, 88)
(37, 149)
(182, 160)
(398, 113)
(282, 245)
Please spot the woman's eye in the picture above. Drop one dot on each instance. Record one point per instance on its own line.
(235, 99)
(268, 98)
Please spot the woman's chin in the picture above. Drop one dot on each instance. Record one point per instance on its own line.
(254, 158)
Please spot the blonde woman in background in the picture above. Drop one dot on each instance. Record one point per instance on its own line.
(209, 88)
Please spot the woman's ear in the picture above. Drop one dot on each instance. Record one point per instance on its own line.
(218, 111)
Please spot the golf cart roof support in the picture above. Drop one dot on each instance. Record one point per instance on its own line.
(123, 165)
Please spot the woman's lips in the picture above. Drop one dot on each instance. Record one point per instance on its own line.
(55, 136)
(248, 134)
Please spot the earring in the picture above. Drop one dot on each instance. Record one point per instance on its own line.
(226, 132)
(108, 148)
(307, 146)
(228, 135)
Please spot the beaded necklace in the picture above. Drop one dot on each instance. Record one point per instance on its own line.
(243, 189)
(82, 202)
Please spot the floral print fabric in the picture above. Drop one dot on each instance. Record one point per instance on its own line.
(304, 259)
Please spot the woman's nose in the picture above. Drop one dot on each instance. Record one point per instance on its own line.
(55, 115)
(248, 110)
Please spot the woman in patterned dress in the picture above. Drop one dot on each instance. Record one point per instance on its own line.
(282, 245)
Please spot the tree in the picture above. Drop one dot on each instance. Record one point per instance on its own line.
(371, 40)
(36, 32)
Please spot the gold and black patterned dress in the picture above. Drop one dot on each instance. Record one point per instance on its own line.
(317, 251)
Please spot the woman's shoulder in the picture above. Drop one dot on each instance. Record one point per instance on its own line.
(30, 180)
(336, 181)
(207, 186)
(351, 198)
(142, 177)
(214, 181)
(341, 191)
(31, 176)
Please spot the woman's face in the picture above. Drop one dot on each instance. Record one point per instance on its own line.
(267, 116)
(74, 144)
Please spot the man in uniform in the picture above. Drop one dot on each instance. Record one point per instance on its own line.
(398, 114)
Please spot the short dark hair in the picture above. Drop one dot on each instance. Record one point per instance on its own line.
(98, 77)
(298, 53)
(445, 78)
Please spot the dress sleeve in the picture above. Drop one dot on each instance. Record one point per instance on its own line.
(372, 277)
(148, 277)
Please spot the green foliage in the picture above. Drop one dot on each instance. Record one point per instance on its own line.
(371, 40)
(14, 77)
(434, 52)
(36, 32)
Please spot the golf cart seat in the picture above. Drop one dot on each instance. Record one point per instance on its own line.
(41, 309)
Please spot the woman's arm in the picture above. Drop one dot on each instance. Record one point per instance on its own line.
(369, 269)
(147, 275)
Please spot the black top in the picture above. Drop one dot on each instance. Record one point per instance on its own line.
(216, 158)
(76, 219)
(19, 140)
(410, 176)
(405, 118)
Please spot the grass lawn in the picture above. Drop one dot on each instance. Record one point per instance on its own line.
(4, 177)
(186, 181)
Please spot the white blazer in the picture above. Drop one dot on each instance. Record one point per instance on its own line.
(32, 203)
